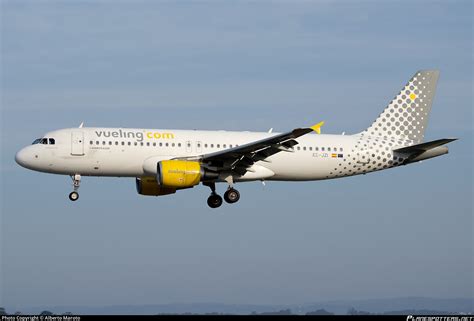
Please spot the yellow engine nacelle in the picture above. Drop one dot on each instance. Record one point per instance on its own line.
(149, 186)
(179, 174)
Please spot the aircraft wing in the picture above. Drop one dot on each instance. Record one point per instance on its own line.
(239, 158)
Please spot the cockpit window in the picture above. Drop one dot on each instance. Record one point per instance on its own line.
(44, 141)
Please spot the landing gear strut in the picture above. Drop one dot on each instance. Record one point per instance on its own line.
(231, 195)
(214, 200)
(76, 181)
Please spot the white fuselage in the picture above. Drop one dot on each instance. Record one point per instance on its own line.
(124, 152)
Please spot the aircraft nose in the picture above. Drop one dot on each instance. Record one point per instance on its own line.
(21, 158)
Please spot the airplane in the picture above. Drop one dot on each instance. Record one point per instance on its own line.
(164, 161)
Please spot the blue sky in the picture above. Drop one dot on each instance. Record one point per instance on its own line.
(240, 66)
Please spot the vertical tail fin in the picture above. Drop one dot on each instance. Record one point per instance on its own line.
(406, 116)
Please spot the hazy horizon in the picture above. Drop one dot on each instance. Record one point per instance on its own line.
(378, 306)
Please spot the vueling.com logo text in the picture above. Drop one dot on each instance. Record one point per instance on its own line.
(139, 136)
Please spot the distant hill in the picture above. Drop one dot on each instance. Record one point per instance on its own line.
(181, 308)
(419, 312)
(397, 304)
(378, 306)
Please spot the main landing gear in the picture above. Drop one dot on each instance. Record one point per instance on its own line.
(76, 180)
(231, 195)
(215, 200)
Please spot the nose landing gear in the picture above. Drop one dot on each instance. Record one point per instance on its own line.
(76, 180)
(74, 196)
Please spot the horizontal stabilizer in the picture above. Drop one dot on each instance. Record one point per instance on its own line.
(423, 147)
(418, 152)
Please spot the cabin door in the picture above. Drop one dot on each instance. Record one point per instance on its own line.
(77, 143)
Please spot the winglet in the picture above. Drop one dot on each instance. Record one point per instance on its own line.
(317, 127)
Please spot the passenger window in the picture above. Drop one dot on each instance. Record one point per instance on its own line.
(224, 146)
(298, 148)
(103, 142)
(212, 145)
(230, 145)
(172, 144)
(154, 144)
(218, 145)
(322, 149)
(135, 143)
(199, 145)
(310, 148)
(161, 144)
(148, 143)
(91, 142)
(52, 141)
(123, 143)
(179, 144)
(205, 145)
(129, 143)
(97, 142)
(329, 149)
(304, 148)
(116, 143)
(316, 148)
(167, 144)
(110, 143)
(341, 149)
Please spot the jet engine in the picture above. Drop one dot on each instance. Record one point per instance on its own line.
(149, 186)
(179, 174)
